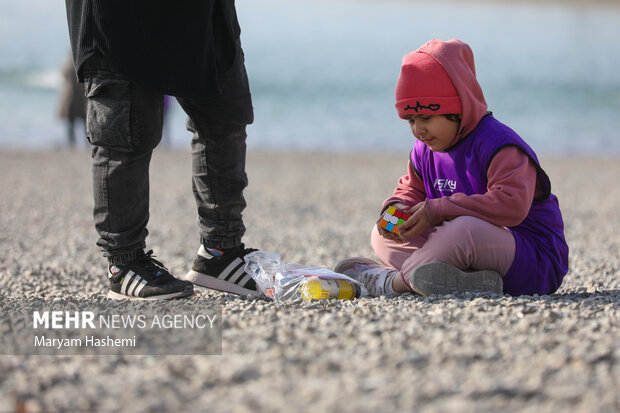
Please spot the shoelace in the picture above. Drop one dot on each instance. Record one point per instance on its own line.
(149, 263)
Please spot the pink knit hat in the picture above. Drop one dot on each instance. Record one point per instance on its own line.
(424, 87)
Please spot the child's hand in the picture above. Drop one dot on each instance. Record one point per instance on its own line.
(417, 223)
(388, 234)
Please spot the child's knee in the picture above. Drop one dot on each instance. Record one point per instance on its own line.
(469, 242)
(452, 242)
(378, 244)
(462, 225)
(393, 254)
(464, 231)
(473, 230)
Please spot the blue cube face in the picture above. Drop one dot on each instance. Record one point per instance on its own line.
(389, 227)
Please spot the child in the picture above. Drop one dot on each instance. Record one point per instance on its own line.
(483, 215)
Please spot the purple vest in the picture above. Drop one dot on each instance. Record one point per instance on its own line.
(541, 258)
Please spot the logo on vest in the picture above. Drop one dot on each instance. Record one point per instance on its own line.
(431, 106)
(445, 185)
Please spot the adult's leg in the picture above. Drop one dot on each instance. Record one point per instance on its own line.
(71, 131)
(218, 180)
(124, 124)
(218, 124)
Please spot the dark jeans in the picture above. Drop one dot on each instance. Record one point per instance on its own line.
(124, 125)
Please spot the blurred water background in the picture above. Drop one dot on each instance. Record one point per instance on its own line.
(323, 72)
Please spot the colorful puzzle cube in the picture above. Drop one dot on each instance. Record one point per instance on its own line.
(392, 218)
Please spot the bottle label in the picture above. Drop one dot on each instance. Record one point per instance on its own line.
(329, 289)
(323, 289)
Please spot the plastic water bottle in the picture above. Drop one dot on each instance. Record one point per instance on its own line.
(322, 289)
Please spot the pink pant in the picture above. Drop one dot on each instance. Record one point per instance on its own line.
(465, 242)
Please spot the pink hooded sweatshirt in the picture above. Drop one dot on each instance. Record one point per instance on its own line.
(511, 174)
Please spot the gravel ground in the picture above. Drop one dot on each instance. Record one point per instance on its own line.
(439, 354)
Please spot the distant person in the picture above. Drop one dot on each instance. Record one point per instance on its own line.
(483, 215)
(131, 54)
(72, 102)
(166, 138)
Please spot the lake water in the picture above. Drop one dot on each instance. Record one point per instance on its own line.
(323, 72)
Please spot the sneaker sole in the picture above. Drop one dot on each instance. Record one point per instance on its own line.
(213, 283)
(344, 265)
(440, 278)
(181, 294)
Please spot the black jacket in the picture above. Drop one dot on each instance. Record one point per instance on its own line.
(181, 48)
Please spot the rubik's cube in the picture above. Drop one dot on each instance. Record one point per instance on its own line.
(393, 218)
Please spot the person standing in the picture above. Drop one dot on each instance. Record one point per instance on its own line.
(72, 102)
(129, 55)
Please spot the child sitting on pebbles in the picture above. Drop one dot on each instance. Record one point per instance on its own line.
(483, 217)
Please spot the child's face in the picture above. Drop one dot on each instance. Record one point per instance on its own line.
(435, 131)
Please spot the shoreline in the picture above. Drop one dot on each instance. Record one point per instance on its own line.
(254, 151)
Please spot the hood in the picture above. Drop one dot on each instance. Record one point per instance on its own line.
(457, 59)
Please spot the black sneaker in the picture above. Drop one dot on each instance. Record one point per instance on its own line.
(145, 279)
(223, 272)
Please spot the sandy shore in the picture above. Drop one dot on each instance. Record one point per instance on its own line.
(438, 354)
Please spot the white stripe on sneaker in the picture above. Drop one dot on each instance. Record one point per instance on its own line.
(139, 288)
(231, 267)
(126, 282)
(244, 280)
(237, 275)
(137, 280)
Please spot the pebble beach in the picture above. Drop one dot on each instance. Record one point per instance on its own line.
(463, 352)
